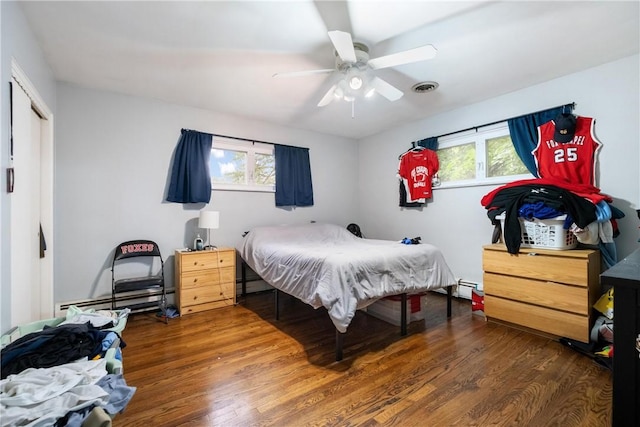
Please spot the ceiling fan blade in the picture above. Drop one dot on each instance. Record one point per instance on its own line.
(385, 89)
(334, 14)
(304, 73)
(413, 55)
(344, 45)
(328, 97)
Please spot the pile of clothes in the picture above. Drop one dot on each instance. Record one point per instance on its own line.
(589, 213)
(59, 375)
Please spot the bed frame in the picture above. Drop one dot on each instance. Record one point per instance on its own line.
(340, 335)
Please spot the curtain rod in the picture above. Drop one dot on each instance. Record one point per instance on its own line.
(248, 140)
(572, 105)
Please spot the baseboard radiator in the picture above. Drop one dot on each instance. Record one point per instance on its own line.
(462, 289)
(254, 284)
(104, 302)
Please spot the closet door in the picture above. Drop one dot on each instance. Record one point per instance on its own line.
(25, 210)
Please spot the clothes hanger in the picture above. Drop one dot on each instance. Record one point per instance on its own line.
(414, 149)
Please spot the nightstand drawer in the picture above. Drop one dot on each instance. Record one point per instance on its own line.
(197, 261)
(545, 294)
(206, 306)
(560, 268)
(204, 278)
(555, 322)
(201, 295)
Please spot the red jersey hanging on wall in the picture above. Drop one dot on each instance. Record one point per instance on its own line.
(567, 149)
(418, 167)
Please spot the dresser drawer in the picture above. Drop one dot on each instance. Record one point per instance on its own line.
(197, 261)
(197, 308)
(205, 294)
(554, 322)
(210, 277)
(546, 294)
(561, 269)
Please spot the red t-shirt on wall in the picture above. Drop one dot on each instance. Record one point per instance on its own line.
(573, 161)
(418, 167)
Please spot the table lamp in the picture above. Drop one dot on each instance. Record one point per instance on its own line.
(209, 220)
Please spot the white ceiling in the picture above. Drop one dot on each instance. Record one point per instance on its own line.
(221, 55)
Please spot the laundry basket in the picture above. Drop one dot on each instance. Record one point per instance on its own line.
(544, 233)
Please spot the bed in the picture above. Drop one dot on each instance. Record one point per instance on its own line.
(324, 265)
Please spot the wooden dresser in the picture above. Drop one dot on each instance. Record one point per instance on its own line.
(205, 279)
(543, 290)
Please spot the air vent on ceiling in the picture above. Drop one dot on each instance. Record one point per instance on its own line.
(424, 87)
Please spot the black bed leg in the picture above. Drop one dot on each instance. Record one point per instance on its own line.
(339, 339)
(277, 293)
(403, 314)
(449, 291)
(243, 272)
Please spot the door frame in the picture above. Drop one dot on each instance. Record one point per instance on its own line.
(46, 188)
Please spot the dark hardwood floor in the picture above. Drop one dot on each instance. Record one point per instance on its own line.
(238, 366)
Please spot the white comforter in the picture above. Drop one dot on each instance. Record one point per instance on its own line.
(325, 265)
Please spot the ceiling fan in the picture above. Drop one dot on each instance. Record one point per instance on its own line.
(353, 62)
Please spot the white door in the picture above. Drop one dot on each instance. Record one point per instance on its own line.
(26, 298)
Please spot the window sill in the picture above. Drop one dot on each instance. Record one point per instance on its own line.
(483, 183)
(245, 188)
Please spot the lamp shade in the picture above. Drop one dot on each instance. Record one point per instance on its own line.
(209, 219)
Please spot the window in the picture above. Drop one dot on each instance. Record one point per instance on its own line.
(242, 166)
(483, 157)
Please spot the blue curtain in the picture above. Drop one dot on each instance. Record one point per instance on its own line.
(190, 177)
(293, 176)
(430, 143)
(524, 133)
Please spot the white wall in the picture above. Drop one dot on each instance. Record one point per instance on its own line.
(18, 42)
(455, 221)
(113, 156)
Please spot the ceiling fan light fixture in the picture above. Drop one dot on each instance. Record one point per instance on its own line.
(355, 82)
(354, 78)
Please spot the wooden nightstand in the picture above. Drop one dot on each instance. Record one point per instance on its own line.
(205, 280)
(544, 290)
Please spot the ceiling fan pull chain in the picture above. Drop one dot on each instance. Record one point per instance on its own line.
(353, 109)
